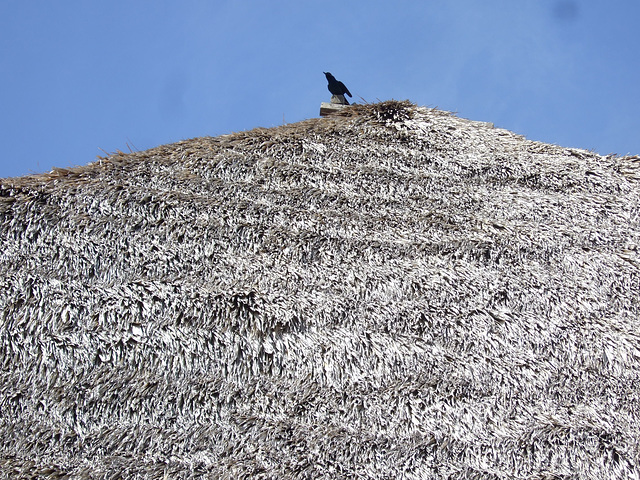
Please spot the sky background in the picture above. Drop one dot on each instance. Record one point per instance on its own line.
(80, 78)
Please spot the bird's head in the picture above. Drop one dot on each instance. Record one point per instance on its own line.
(328, 75)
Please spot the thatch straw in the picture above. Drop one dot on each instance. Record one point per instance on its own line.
(393, 292)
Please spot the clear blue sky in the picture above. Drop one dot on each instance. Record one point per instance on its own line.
(78, 77)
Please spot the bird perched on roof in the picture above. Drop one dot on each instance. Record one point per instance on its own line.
(336, 87)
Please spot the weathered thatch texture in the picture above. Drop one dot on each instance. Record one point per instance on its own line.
(392, 293)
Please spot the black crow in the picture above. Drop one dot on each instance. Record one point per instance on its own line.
(336, 87)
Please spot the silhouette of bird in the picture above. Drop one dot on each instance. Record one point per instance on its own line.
(336, 87)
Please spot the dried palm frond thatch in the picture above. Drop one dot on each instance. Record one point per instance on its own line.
(392, 292)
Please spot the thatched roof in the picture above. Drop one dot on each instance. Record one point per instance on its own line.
(390, 293)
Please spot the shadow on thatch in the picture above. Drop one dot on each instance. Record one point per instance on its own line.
(393, 292)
